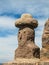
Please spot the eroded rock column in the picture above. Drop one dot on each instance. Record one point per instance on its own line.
(26, 35)
(45, 42)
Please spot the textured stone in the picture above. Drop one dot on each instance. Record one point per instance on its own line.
(26, 16)
(26, 35)
(43, 63)
(45, 37)
(28, 51)
(26, 44)
(44, 54)
(26, 20)
(23, 61)
(19, 63)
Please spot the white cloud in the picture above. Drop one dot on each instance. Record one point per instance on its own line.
(8, 46)
(7, 26)
(38, 8)
(7, 22)
(38, 41)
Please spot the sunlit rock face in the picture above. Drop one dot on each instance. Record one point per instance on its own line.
(45, 37)
(26, 35)
(45, 42)
(27, 52)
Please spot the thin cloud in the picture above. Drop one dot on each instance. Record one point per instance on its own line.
(39, 9)
(7, 26)
(7, 46)
(10, 10)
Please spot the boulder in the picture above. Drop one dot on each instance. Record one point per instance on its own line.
(26, 20)
(45, 36)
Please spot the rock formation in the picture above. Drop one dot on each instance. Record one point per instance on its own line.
(45, 42)
(27, 52)
(26, 45)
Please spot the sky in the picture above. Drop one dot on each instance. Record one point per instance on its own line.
(10, 11)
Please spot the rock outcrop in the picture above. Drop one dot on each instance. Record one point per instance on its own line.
(26, 44)
(27, 52)
(45, 42)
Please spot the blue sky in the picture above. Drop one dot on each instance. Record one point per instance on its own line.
(10, 10)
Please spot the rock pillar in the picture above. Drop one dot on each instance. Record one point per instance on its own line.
(26, 35)
(45, 42)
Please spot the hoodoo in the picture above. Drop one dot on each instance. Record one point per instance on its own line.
(45, 42)
(26, 35)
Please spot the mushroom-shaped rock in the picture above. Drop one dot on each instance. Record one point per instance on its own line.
(26, 44)
(26, 20)
(26, 16)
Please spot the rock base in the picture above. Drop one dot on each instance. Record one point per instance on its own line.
(29, 51)
(44, 54)
(27, 62)
(23, 62)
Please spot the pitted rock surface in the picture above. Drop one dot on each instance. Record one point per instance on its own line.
(44, 54)
(26, 20)
(26, 34)
(26, 38)
(27, 52)
(45, 37)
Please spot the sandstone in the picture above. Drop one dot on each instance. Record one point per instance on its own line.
(23, 61)
(26, 16)
(26, 43)
(30, 51)
(25, 36)
(27, 52)
(43, 63)
(26, 21)
(44, 53)
(45, 37)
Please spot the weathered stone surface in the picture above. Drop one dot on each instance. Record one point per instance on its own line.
(26, 44)
(45, 42)
(43, 63)
(27, 51)
(26, 20)
(45, 37)
(20, 64)
(36, 63)
(44, 54)
(23, 61)
(26, 35)
(26, 16)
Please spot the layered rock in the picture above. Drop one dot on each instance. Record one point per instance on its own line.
(26, 45)
(45, 42)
